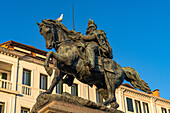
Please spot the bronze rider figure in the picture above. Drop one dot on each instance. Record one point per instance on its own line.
(96, 45)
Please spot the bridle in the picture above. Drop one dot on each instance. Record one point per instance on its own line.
(53, 36)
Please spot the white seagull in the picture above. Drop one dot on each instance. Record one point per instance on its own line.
(60, 18)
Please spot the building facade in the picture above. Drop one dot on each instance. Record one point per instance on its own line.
(23, 78)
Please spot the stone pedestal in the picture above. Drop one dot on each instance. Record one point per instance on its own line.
(67, 103)
(63, 107)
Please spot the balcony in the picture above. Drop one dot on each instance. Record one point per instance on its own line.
(5, 76)
(5, 84)
(6, 87)
(26, 90)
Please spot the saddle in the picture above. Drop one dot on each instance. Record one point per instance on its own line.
(105, 64)
(101, 63)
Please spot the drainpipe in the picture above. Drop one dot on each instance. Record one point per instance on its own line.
(16, 85)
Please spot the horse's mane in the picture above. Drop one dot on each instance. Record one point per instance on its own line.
(59, 24)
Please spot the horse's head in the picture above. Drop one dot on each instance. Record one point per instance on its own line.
(47, 29)
(52, 31)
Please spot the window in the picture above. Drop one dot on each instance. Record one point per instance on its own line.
(3, 76)
(129, 104)
(74, 89)
(99, 98)
(3, 84)
(26, 80)
(59, 88)
(163, 110)
(43, 82)
(5, 71)
(145, 107)
(2, 107)
(138, 107)
(25, 110)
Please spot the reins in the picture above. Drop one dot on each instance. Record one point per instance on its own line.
(60, 42)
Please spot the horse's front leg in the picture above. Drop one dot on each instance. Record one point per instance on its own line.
(57, 77)
(59, 57)
(48, 69)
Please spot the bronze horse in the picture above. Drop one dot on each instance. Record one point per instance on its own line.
(68, 59)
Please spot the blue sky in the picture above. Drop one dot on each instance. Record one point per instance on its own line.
(138, 30)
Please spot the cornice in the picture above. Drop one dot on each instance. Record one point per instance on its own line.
(23, 46)
(136, 92)
(21, 56)
(11, 53)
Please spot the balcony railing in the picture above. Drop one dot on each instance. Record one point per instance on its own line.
(41, 91)
(26, 90)
(5, 84)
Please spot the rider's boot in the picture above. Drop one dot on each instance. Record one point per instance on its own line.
(90, 58)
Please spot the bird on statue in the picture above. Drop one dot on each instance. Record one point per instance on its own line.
(60, 18)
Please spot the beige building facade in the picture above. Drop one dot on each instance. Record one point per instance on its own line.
(23, 78)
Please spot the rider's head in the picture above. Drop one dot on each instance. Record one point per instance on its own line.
(91, 26)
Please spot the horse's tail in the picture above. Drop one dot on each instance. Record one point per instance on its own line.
(132, 76)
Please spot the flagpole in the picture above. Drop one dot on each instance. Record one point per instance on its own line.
(73, 17)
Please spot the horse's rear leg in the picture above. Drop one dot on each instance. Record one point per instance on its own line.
(57, 77)
(111, 88)
(111, 98)
(114, 104)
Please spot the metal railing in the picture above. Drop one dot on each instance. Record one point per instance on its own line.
(23, 89)
(5, 84)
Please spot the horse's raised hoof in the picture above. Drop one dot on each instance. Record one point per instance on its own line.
(109, 101)
(49, 70)
(114, 105)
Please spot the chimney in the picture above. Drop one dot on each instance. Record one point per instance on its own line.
(155, 92)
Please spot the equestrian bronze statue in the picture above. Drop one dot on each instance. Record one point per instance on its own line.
(88, 58)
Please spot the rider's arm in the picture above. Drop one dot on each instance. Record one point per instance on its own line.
(88, 37)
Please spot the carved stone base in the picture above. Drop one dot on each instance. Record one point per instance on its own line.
(67, 103)
(63, 107)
